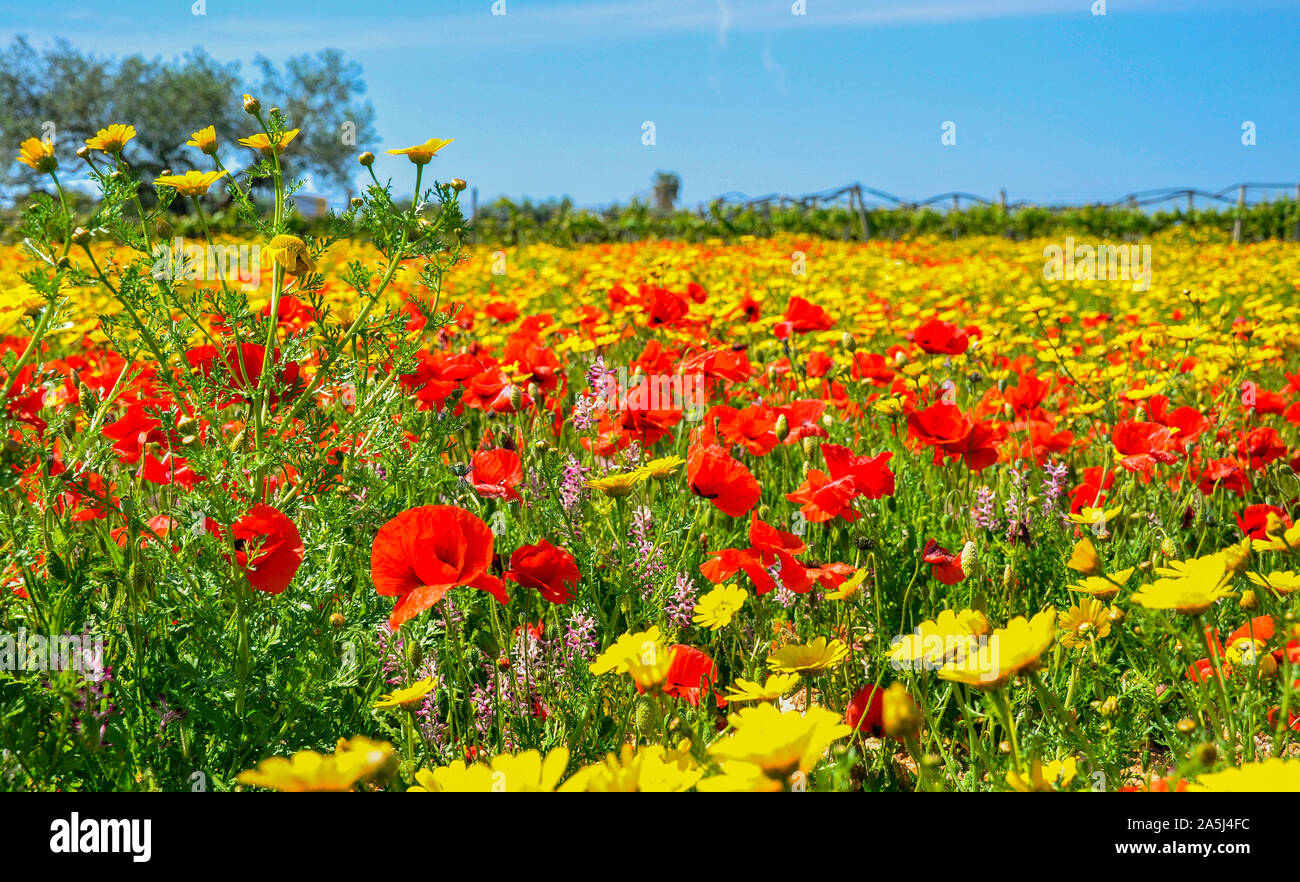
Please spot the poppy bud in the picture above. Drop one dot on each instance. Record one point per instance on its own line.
(848, 342)
(367, 159)
(970, 558)
(647, 717)
(414, 653)
(782, 430)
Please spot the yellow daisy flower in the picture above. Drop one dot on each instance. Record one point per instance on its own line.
(716, 609)
(353, 761)
(809, 658)
(1092, 517)
(1083, 623)
(1281, 582)
(849, 587)
(1192, 587)
(111, 139)
(651, 769)
(291, 253)
(408, 698)
(776, 686)
(661, 468)
(422, 153)
(1044, 778)
(525, 772)
(779, 745)
(205, 140)
(1009, 651)
(619, 484)
(935, 643)
(1273, 775)
(1103, 587)
(38, 154)
(192, 183)
(261, 141)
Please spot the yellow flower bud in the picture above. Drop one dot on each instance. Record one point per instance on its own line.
(902, 718)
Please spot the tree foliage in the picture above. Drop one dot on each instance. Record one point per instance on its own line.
(66, 95)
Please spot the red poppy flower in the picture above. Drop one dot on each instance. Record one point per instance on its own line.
(713, 474)
(243, 369)
(719, 364)
(769, 547)
(552, 571)
(665, 308)
(866, 711)
(823, 497)
(1224, 474)
(496, 473)
(1201, 670)
(941, 338)
(802, 317)
(1259, 628)
(1254, 520)
(1261, 446)
(268, 548)
(753, 428)
(1027, 395)
(425, 552)
(1141, 445)
(1293, 719)
(691, 674)
(947, 566)
(160, 525)
(804, 419)
(952, 433)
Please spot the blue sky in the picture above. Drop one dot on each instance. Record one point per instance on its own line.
(1050, 101)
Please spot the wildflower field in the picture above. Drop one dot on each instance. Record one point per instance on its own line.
(378, 508)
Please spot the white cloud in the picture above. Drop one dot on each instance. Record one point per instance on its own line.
(724, 23)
